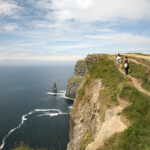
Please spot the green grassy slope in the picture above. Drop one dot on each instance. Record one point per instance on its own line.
(137, 136)
(140, 72)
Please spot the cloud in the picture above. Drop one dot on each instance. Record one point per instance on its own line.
(100, 10)
(126, 39)
(8, 8)
(134, 40)
(65, 30)
(9, 27)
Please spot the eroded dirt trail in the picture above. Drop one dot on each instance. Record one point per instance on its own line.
(138, 56)
(137, 83)
(140, 63)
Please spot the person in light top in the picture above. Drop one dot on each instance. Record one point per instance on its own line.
(119, 58)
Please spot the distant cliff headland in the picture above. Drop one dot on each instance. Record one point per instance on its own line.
(111, 110)
(79, 73)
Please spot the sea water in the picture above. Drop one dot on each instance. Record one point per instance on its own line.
(29, 112)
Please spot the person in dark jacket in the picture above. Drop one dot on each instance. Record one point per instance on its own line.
(126, 65)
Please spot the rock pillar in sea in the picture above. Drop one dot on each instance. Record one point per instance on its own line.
(54, 87)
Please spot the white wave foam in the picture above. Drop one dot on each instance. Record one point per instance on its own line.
(62, 93)
(51, 93)
(43, 110)
(12, 130)
(47, 112)
(70, 107)
(52, 114)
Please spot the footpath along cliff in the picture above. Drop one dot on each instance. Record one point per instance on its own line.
(110, 111)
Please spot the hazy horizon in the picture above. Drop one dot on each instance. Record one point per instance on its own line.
(64, 31)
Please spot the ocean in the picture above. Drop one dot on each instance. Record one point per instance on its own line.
(28, 112)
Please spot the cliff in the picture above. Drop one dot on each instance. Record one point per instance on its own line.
(110, 110)
(79, 73)
(74, 82)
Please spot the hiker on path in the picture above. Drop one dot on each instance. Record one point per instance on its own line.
(126, 65)
(119, 58)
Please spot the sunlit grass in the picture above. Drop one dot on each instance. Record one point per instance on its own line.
(137, 136)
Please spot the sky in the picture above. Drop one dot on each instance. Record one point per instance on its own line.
(64, 31)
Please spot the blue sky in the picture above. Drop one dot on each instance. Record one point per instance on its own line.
(48, 31)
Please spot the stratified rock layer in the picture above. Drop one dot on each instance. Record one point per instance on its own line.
(93, 120)
(79, 72)
(74, 82)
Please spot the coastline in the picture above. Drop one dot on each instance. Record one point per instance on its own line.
(61, 94)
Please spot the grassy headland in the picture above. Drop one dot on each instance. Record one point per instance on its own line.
(137, 136)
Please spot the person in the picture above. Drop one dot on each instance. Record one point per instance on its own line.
(119, 58)
(126, 65)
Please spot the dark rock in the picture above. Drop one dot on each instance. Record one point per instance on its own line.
(80, 68)
(54, 87)
(73, 85)
(79, 72)
(74, 82)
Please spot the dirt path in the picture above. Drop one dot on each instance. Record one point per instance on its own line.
(113, 123)
(138, 56)
(140, 63)
(137, 83)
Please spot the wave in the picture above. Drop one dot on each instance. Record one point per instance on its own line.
(62, 94)
(51, 93)
(46, 112)
(52, 114)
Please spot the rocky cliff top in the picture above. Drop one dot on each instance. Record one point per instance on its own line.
(112, 110)
(91, 59)
(80, 68)
(79, 71)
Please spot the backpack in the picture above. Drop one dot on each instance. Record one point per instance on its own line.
(126, 65)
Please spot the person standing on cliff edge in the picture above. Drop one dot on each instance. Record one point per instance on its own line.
(126, 65)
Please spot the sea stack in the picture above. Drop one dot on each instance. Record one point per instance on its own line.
(54, 88)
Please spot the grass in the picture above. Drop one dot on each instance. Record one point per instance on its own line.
(137, 70)
(137, 136)
(105, 69)
(81, 93)
(112, 79)
(142, 60)
(75, 79)
(140, 54)
(140, 71)
(81, 63)
(87, 139)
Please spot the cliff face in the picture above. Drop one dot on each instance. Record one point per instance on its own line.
(79, 73)
(95, 117)
(92, 123)
(74, 82)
